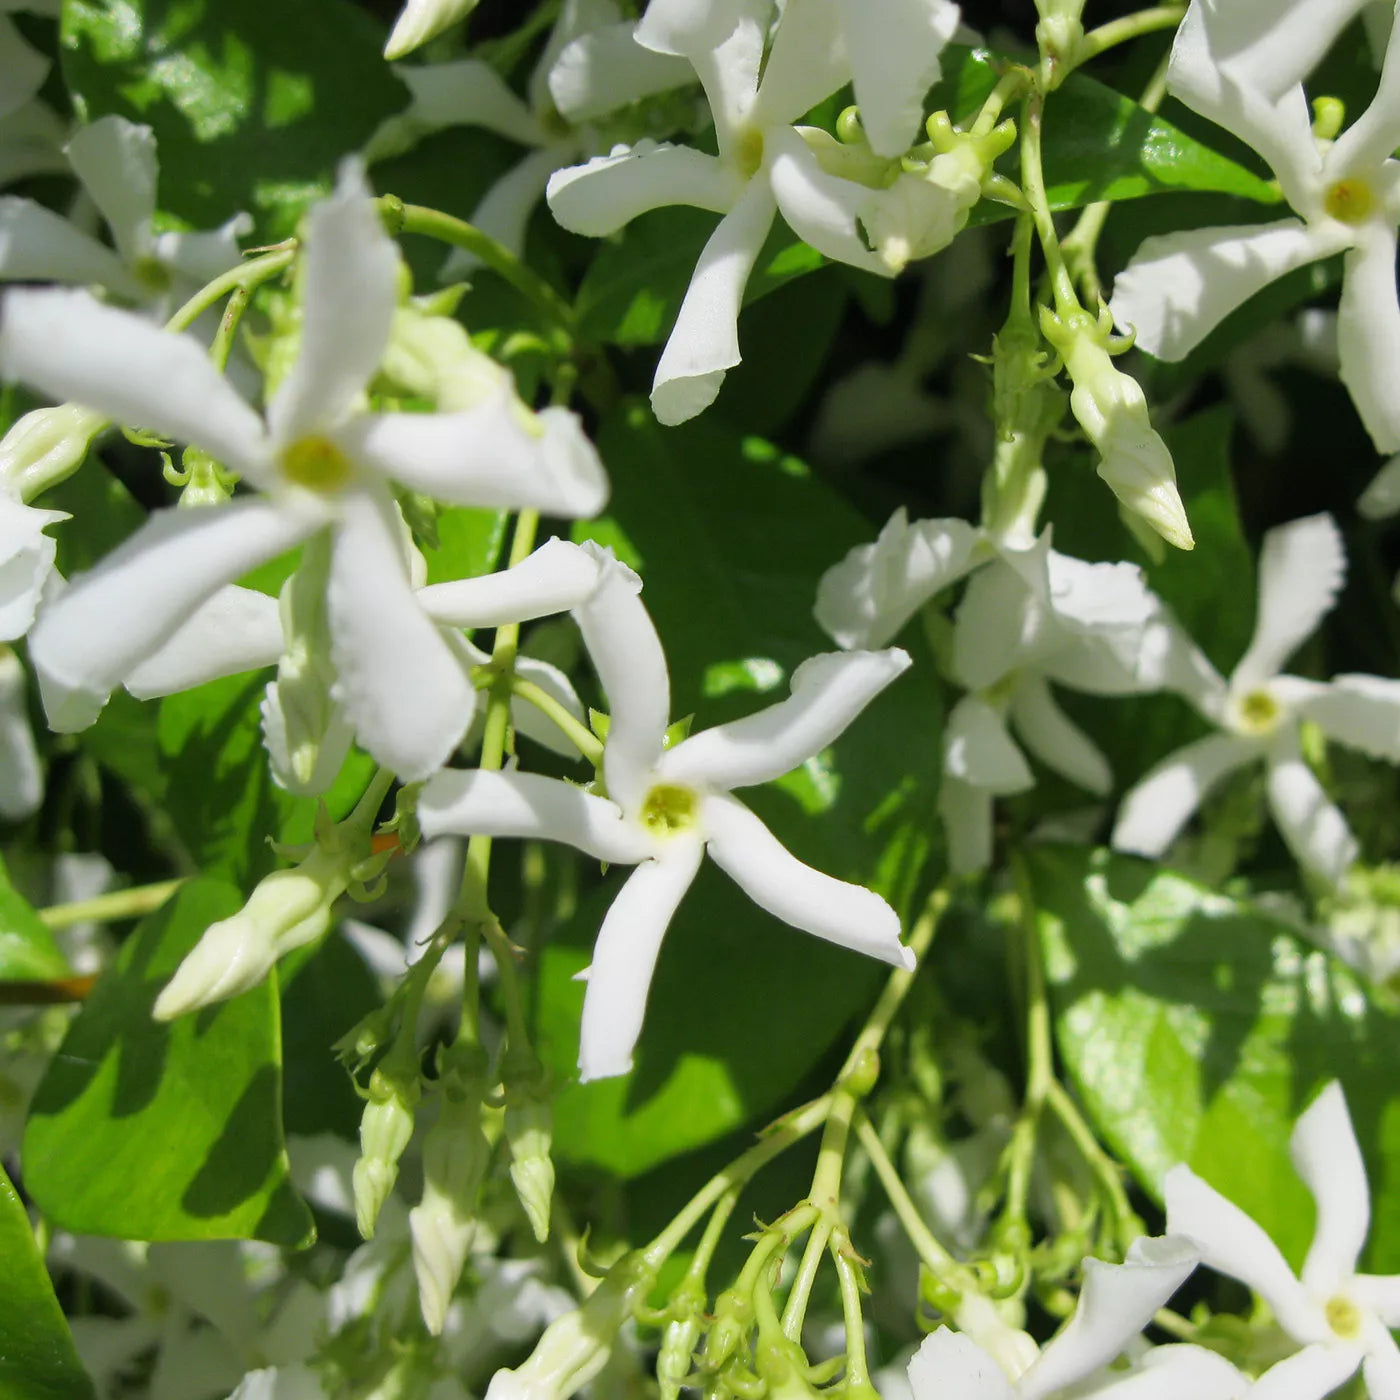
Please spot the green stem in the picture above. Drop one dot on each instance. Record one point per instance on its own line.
(1033, 186)
(1106, 1171)
(857, 1368)
(1008, 85)
(795, 1310)
(228, 325)
(583, 738)
(1120, 31)
(246, 275)
(108, 908)
(371, 800)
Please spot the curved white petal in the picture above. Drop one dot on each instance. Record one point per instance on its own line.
(343, 335)
(893, 50)
(1368, 335)
(966, 814)
(21, 775)
(1376, 132)
(689, 27)
(771, 876)
(1169, 1372)
(469, 93)
(950, 1363)
(532, 723)
(600, 196)
(1362, 712)
(1381, 1368)
(1274, 46)
(36, 245)
(1231, 1243)
(977, 749)
(627, 655)
(828, 692)
(26, 563)
(1378, 1293)
(1055, 739)
(1179, 286)
(624, 958)
(704, 342)
(555, 578)
(1161, 803)
(237, 629)
(533, 807)
(398, 680)
(203, 255)
(1309, 1375)
(605, 69)
(820, 208)
(1116, 1303)
(1325, 1152)
(865, 599)
(116, 161)
(806, 62)
(112, 618)
(76, 350)
(1004, 619)
(1314, 830)
(1301, 569)
(497, 453)
(504, 210)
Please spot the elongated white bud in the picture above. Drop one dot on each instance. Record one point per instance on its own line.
(422, 20)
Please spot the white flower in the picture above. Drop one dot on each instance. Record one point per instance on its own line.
(666, 807)
(1341, 1318)
(1259, 712)
(1346, 194)
(321, 462)
(421, 20)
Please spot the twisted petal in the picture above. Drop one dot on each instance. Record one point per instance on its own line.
(704, 342)
(555, 578)
(1368, 335)
(76, 350)
(777, 881)
(116, 161)
(114, 617)
(806, 63)
(1360, 711)
(21, 775)
(469, 93)
(342, 336)
(1117, 1302)
(1055, 739)
(599, 197)
(1162, 802)
(950, 1363)
(1327, 1157)
(828, 692)
(624, 958)
(1301, 568)
(26, 563)
(1315, 831)
(237, 629)
(529, 806)
(36, 245)
(607, 68)
(978, 750)
(1004, 619)
(1231, 1243)
(1309, 1375)
(688, 27)
(1179, 286)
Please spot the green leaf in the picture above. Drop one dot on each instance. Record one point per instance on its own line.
(28, 952)
(167, 1132)
(37, 1357)
(253, 105)
(1195, 1028)
(731, 537)
(469, 543)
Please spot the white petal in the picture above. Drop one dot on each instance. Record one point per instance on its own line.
(116, 161)
(806, 63)
(624, 958)
(495, 454)
(778, 882)
(1004, 620)
(1275, 46)
(1376, 132)
(626, 653)
(111, 619)
(533, 723)
(1309, 1375)
(1325, 1152)
(555, 578)
(820, 208)
(704, 343)
(342, 336)
(31, 142)
(1381, 498)
(291, 733)
(606, 69)
(504, 210)
(1368, 335)
(1380, 1294)
(599, 197)
(26, 563)
(977, 749)
(951, 1364)
(1381, 1368)
(1360, 711)
(421, 20)
(1161, 803)
(893, 50)
(1301, 568)
(1117, 1302)
(1169, 1372)
(828, 692)
(689, 27)
(237, 629)
(1231, 1243)
(203, 255)
(1179, 286)
(76, 350)
(865, 599)
(966, 814)
(1055, 740)
(398, 680)
(21, 775)
(469, 93)
(1315, 831)
(529, 806)
(36, 245)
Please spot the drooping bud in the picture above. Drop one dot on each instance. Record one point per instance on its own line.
(422, 20)
(385, 1129)
(529, 1132)
(676, 1358)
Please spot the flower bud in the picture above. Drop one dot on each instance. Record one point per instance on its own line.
(385, 1129)
(529, 1132)
(431, 355)
(46, 446)
(422, 20)
(679, 1339)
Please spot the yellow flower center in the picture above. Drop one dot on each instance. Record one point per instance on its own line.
(748, 151)
(1343, 1317)
(317, 464)
(1349, 201)
(152, 274)
(669, 809)
(1259, 712)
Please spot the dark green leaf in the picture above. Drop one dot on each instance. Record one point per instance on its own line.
(469, 543)
(27, 950)
(167, 1132)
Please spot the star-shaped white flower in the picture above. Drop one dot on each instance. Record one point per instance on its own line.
(667, 807)
(1259, 712)
(1345, 193)
(321, 463)
(1341, 1318)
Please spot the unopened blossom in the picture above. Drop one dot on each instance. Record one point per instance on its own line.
(421, 20)
(1345, 195)
(1259, 711)
(321, 463)
(1340, 1318)
(666, 807)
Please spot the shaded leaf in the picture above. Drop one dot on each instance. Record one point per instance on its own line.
(28, 952)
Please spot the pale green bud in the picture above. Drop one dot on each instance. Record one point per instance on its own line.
(422, 20)
(529, 1132)
(46, 446)
(385, 1129)
(679, 1338)
(205, 481)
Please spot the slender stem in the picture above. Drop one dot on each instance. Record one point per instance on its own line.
(108, 908)
(1008, 85)
(1120, 31)
(234, 308)
(371, 800)
(583, 738)
(1104, 1168)
(857, 1368)
(504, 955)
(1174, 1324)
(926, 1245)
(247, 275)
(795, 1310)
(1033, 185)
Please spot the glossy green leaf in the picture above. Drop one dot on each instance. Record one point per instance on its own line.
(469, 542)
(252, 105)
(27, 948)
(167, 1132)
(731, 537)
(37, 1357)
(1195, 1028)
